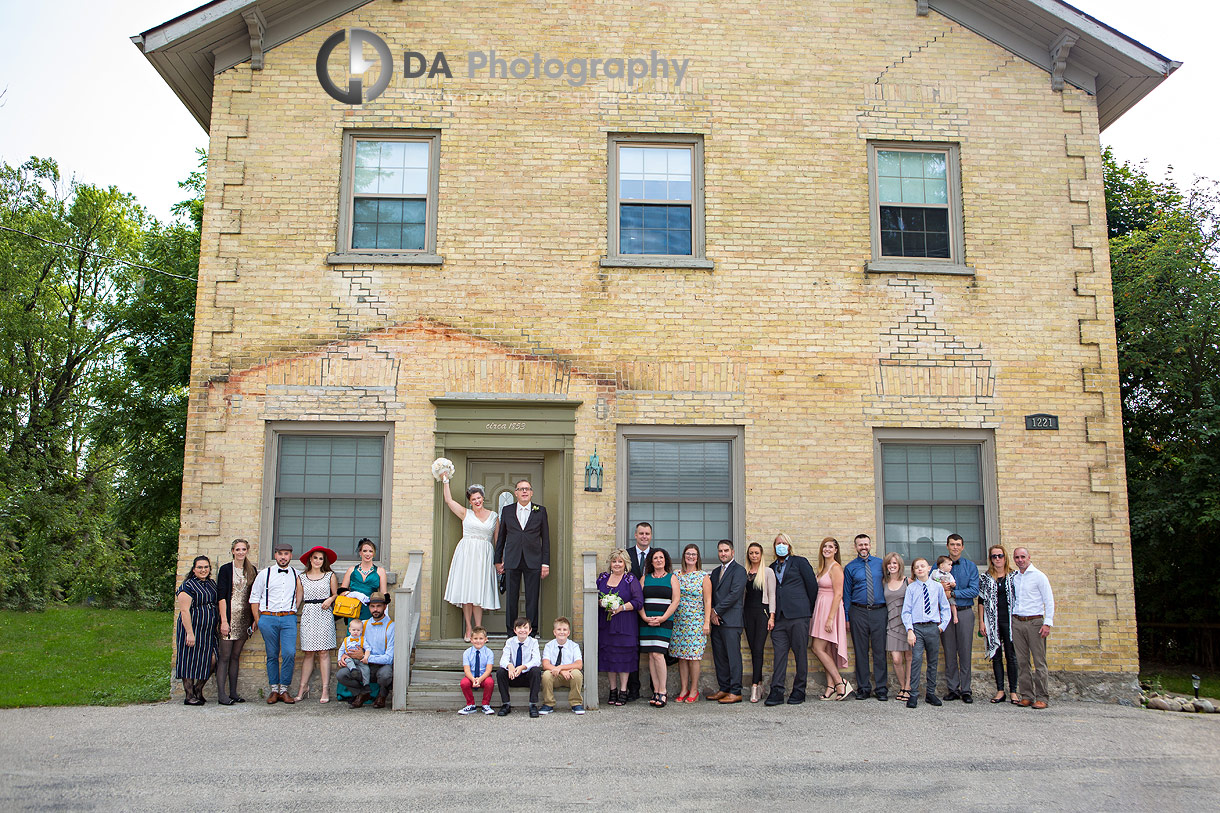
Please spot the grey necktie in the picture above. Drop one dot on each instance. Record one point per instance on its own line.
(868, 581)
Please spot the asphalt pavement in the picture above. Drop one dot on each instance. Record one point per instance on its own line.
(849, 755)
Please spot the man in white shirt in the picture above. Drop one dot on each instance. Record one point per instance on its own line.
(274, 598)
(1033, 615)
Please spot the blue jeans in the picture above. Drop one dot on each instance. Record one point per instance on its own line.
(280, 640)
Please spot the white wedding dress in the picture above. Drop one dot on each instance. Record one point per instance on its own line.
(472, 573)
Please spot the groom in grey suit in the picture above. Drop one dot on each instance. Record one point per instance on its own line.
(523, 551)
(728, 618)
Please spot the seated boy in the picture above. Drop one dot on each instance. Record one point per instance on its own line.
(561, 662)
(477, 663)
(519, 666)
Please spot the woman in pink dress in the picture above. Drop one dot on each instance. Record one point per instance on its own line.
(829, 628)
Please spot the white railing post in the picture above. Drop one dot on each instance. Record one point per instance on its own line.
(589, 621)
(407, 606)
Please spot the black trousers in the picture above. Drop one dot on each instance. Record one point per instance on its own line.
(533, 580)
(790, 635)
(1006, 653)
(868, 630)
(531, 677)
(726, 655)
(756, 637)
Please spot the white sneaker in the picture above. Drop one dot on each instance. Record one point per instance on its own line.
(488, 710)
(469, 710)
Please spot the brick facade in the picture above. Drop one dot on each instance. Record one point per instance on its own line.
(788, 336)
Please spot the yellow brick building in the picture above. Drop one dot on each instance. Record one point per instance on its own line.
(811, 277)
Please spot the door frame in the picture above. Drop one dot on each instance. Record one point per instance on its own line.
(539, 427)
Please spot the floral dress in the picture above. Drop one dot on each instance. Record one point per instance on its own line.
(689, 640)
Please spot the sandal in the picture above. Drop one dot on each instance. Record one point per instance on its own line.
(829, 693)
(842, 695)
(661, 700)
(903, 695)
(1016, 701)
(656, 700)
(680, 698)
(692, 698)
(999, 697)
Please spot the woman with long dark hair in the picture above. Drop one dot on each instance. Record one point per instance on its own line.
(233, 591)
(196, 630)
(661, 594)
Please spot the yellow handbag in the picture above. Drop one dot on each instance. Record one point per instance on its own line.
(347, 606)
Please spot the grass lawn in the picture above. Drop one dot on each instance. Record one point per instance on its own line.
(81, 656)
(1176, 679)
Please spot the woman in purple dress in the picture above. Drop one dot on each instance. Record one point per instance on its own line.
(618, 638)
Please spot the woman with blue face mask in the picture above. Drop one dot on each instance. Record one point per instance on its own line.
(796, 592)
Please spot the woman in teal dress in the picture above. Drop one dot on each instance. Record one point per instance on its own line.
(362, 581)
(661, 595)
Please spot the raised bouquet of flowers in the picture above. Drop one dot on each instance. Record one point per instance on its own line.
(611, 601)
(442, 468)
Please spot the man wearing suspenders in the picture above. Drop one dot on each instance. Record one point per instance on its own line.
(275, 598)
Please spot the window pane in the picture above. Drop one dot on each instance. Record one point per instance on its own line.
(946, 479)
(889, 190)
(631, 217)
(631, 161)
(631, 189)
(887, 163)
(912, 190)
(368, 153)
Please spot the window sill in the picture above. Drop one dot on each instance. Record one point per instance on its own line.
(378, 258)
(896, 265)
(653, 261)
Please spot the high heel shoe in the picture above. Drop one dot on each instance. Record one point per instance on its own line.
(754, 693)
(829, 694)
(661, 700)
(325, 698)
(304, 694)
(842, 694)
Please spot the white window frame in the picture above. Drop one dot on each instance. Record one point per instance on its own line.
(983, 438)
(956, 262)
(736, 437)
(344, 253)
(277, 429)
(697, 258)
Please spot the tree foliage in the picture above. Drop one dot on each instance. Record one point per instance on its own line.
(94, 365)
(1163, 253)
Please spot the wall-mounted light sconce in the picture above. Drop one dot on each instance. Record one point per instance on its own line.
(593, 473)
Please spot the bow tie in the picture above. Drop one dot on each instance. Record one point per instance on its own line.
(283, 570)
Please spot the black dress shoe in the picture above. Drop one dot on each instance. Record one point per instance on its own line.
(237, 699)
(864, 694)
(953, 696)
(225, 702)
(796, 698)
(504, 711)
(882, 696)
(775, 698)
(967, 697)
(533, 710)
(912, 703)
(630, 697)
(932, 700)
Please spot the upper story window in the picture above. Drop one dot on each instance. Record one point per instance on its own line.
(915, 201)
(388, 206)
(656, 201)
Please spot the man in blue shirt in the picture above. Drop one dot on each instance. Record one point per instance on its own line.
(378, 654)
(867, 619)
(958, 638)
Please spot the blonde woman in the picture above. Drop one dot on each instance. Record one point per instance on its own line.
(233, 588)
(996, 599)
(691, 623)
(760, 603)
(829, 628)
(618, 629)
(895, 591)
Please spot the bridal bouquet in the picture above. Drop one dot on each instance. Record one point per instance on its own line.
(611, 601)
(442, 468)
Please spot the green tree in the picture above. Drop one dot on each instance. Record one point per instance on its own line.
(1163, 253)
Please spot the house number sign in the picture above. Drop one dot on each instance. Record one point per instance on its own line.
(1042, 421)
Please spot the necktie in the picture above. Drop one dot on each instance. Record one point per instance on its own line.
(723, 569)
(478, 663)
(559, 656)
(520, 646)
(868, 581)
(927, 602)
(283, 570)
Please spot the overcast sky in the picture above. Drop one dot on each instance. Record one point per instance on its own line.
(80, 92)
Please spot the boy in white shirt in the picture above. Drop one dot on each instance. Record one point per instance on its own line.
(520, 665)
(562, 662)
(477, 663)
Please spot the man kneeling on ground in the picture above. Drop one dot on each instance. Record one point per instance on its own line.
(378, 654)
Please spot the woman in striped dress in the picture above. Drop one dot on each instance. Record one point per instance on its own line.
(196, 630)
(661, 595)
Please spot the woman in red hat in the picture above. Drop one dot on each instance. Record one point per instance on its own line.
(317, 630)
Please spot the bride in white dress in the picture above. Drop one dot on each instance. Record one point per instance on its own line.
(472, 574)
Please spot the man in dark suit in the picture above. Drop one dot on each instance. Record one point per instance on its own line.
(639, 554)
(523, 551)
(796, 592)
(728, 619)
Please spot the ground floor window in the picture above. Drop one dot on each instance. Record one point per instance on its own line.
(685, 482)
(329, 489)
(932, 484)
